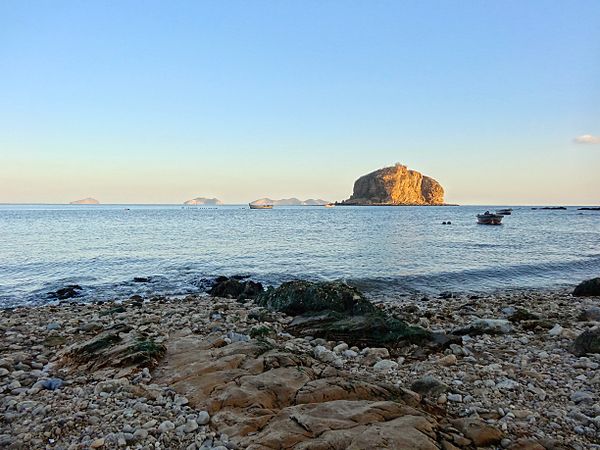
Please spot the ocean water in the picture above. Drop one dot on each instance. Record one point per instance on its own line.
(386, 251)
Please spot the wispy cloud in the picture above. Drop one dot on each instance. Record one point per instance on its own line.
(587, 139)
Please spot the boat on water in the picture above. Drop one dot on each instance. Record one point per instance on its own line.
(329, 205)
(487, 218)
(504, 212)
(255, 206)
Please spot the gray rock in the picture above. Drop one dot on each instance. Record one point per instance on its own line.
(429, 385)
(591, 314)
(582, 397)
(140, 434)
(166, 426)
(203, 418)
(455, 398)
(385, 365)
(190, 426)
(485, 326)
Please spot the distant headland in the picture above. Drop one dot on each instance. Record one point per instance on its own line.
(396, 185)
(203, 201)
(85, 201)
(290, 202)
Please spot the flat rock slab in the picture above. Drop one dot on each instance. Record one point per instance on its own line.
(268, 398)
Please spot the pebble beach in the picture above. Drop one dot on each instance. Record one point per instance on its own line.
(520, 378)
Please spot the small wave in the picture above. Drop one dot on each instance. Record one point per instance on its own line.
(549, 274)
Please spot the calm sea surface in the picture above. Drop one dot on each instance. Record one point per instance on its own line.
(387, 251)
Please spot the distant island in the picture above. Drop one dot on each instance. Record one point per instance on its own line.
(203, 201)
(85, 201)
(290, 202)
(396, 185)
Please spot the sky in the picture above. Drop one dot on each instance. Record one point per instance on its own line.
(159, 102)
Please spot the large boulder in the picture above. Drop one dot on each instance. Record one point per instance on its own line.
(338, 312)
(300, 297)
(396, 185)
(588, 288)
(374, 329)
(588, 342)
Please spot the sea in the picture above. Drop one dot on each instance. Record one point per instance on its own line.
(388, 252)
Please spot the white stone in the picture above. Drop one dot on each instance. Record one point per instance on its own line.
(556, 330)
(385, 365)
(340, 348)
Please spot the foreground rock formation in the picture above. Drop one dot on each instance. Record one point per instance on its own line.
(203, 201)
(396, 185)
(86, 201)
(263, 397)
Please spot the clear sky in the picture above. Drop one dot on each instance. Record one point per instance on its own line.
(162, 101)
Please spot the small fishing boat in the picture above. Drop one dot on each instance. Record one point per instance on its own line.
(504, 212)
(329, 205)
(255, 206)
(487, 218)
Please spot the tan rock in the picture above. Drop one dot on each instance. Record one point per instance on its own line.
(265, 398)
(396, 185)
(98, 443)
(448, 360)
(480, 433)
(527, 444)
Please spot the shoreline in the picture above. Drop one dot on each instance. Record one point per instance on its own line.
(524, 383)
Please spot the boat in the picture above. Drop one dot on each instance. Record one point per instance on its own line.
(504, 212)
(255, 206)
(329, 205)
(487, 218)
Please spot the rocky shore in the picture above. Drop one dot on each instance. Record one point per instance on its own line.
(505, 370)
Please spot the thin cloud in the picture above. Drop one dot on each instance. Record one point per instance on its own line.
(587, 139)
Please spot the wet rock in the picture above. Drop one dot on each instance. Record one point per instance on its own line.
(142, 279)
(588, 288)
(301, 297)
(67, 292)
(234, 288)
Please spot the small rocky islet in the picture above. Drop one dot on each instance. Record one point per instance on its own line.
(303, 366)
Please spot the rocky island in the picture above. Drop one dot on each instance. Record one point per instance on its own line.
(203, 201)
(86, 201)
(290, 202)
(396, 185)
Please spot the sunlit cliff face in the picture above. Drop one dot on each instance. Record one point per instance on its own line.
(397, 185)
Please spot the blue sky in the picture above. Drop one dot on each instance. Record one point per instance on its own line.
(159, 102)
